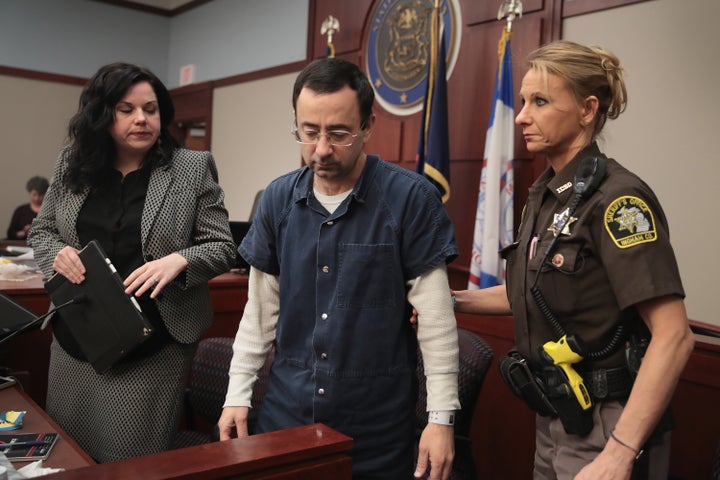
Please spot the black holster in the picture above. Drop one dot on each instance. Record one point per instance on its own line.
(575, 419)
(547, 393)
(524, 384)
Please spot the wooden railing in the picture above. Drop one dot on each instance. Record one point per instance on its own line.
(312, 452)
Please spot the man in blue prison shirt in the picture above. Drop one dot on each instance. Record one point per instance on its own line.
(337, 250)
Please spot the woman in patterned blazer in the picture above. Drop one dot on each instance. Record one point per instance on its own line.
(158, 212)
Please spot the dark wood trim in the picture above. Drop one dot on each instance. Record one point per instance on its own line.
(154, 10)
(572, 8)
(193, 87)
(312, 12)
(554, 32)
(188, 6)
(260, 74)
(45, 76)
(708, 334)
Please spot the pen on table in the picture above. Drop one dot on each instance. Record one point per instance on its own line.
(32, 443)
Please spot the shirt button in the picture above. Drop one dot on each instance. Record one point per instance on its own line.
(331, 222)
(321, 391)
(324, 316)
(323, 356)
(325, 269)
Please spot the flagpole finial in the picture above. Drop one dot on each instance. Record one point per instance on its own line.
(330, 26)
(510, 9)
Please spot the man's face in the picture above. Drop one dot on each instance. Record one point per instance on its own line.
(336, 168)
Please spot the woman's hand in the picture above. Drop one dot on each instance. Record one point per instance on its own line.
(155, 275)
(68, 264)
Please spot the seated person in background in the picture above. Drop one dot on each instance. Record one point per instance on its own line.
(23, 216)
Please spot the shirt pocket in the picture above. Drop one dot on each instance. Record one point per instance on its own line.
(559, 279)
(366, 276)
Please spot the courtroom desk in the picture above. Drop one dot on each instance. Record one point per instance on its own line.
(66, 453)
(311, 452)
(30, 293)
(28, 354)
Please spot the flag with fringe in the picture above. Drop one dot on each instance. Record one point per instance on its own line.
(433, 156)
(494, 218)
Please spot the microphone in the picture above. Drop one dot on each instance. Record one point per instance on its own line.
(77, 299)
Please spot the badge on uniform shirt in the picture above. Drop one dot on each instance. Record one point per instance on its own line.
(630, 222)
(561, 223)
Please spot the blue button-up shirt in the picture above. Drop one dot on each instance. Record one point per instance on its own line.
(345, 350)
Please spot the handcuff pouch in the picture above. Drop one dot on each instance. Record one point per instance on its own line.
(524, 383)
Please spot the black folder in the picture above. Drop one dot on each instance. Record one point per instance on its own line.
(106, 324)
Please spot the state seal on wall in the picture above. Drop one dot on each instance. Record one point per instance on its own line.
(397, 50)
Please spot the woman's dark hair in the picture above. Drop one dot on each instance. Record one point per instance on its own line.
(92, 148)
(37, 183)
(328, 75)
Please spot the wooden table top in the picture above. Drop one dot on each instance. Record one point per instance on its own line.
(66, 453)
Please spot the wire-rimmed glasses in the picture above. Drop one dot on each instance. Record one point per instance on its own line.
(311, 136)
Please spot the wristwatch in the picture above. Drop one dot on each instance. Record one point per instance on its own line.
(442, 417)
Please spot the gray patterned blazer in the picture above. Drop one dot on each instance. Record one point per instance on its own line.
(184, 212)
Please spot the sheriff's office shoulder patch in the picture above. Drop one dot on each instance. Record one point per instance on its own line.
(630, 222)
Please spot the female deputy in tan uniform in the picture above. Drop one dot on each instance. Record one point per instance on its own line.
(592, 270)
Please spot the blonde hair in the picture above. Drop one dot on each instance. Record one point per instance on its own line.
(587, 71)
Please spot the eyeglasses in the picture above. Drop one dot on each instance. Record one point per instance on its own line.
(336, 138)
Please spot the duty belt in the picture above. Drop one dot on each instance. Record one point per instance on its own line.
(608, 383)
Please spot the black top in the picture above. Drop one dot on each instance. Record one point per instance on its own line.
(112, 215)
(22, 216)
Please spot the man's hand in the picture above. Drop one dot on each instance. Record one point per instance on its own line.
(437, 448)
(233, 417)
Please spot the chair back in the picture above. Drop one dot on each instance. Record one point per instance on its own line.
(209, 377)
(206, 390)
